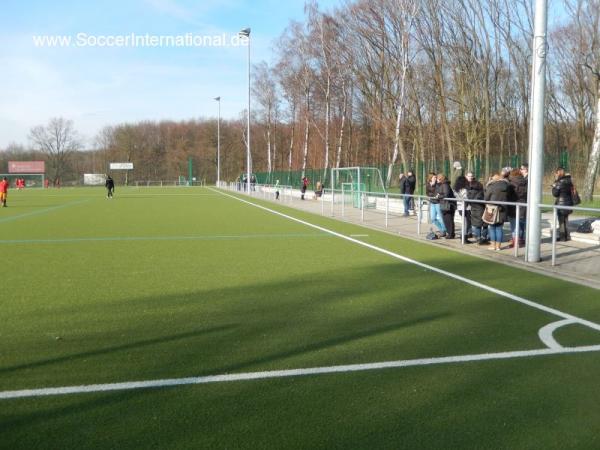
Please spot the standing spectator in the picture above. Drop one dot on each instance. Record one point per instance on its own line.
(401, 179)
(110, 186)
(525, 170)
(457, 171)
(407, 187)
(4, 184)
(460, 191)
(253, 182)
(318, 190)
(518, 193)
(435, 213)
(46, 183)
(497, 191)
(276, 189)
(562, 190)
(447, 207)
(475, 192)
(305, 183)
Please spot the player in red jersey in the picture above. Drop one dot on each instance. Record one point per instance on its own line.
(3, 191)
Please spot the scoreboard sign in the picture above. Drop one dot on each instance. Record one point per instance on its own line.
(121, 166)
(26, 167)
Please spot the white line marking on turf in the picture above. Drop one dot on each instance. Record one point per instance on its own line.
(43, 211)
(91, 388)
(485, 287)
(546, 333)
(166, 238)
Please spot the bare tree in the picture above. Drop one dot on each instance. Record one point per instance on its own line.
(265, 92)
(57, 140)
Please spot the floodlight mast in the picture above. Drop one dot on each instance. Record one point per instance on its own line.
(218, 99)
(536, 141)
(246, 33)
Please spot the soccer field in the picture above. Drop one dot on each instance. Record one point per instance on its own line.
(196, 318)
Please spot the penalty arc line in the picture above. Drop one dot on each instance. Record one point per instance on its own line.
(172, 382)
(477, 284)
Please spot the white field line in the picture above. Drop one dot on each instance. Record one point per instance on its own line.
(546, 333)
(91, 388)
(166, 238)
(477, 284)
(43, 211)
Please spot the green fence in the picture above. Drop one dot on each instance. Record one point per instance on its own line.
(422, 168)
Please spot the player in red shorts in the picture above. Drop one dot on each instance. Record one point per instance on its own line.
(3, 191)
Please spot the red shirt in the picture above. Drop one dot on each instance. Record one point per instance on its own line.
(3, 187)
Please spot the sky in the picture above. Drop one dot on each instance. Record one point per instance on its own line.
(102, 77)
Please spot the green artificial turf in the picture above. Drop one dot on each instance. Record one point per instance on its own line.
(183, 282)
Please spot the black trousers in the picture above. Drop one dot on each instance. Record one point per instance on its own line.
(448, 217)
(563, 227)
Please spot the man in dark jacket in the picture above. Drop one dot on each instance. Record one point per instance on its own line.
(408, 184)
(448, 207)
(562, 190)
(110, 186)
(518, 193)
(475, 192)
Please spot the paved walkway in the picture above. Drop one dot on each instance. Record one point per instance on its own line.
(577, 260)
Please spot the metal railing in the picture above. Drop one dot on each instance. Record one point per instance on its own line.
(392, 205)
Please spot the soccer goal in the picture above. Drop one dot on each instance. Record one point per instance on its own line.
(360, 179)
(31, 179)
(355, 183)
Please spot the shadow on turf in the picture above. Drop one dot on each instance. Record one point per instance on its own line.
(456, 406)
(133, 345)
(293, 317)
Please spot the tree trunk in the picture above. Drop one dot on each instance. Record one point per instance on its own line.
(338, 157)
(592, 168)
(306, 131)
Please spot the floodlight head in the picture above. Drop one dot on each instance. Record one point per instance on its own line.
(245, 32)
(218, 99)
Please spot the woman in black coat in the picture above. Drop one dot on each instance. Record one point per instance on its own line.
(475, 192)
(518, 193)
(562, 190)
(497, 191)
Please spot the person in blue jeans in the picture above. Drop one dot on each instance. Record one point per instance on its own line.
(435, 212)
(497, 191)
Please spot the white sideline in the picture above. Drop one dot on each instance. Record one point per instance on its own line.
(91, 388)
(485, 287)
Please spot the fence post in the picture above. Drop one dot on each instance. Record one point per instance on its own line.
(516, 238)
(554, 217)
(332, 201)
(387, 207)
(462, 230)
(419, 215)
(362, 206)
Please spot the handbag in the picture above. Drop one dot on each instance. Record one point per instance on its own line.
(491, 214)
(575, 196)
